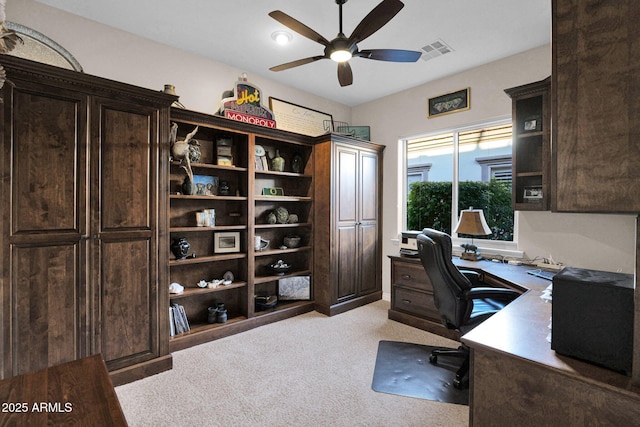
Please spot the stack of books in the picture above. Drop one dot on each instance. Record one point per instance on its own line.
(178, 322)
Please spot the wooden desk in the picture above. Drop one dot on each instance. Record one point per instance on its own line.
(516, 379)
(75, 393)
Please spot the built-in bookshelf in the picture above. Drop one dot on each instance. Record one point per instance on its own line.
(275, 206)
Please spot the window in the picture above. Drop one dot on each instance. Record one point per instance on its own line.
(467, 167)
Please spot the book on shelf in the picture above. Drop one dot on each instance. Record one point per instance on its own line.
(172, 325)
(180, 321)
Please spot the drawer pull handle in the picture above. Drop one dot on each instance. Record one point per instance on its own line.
(406, 276)
(406, 301)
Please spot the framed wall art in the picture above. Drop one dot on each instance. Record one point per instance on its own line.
(299, 119)
(448, 103)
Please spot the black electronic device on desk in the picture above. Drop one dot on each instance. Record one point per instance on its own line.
(592, 317)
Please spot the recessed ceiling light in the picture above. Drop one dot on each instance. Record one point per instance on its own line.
(281, 37)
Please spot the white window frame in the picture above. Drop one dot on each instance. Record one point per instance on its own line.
(486, 247)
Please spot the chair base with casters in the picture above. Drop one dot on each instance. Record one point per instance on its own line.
(461, 380)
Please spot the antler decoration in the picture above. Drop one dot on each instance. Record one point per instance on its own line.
(180, 149)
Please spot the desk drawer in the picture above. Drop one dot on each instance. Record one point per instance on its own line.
(415, 302)
(411, 275)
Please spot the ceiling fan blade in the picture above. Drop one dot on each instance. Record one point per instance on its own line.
(376, 19)
(298, 27)
(393, 55)
(345, 75)
(292, 64)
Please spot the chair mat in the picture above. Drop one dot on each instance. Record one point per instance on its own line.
(404, 369)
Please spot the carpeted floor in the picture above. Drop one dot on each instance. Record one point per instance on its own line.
(310, 370)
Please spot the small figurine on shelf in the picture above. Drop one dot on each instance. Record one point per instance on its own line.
(180, 248)
(296, 163)
(224, 189)
(277, 163)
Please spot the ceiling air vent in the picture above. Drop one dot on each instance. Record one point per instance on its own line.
(435, 49)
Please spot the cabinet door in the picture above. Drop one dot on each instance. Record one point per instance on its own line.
(346, 211)
(368, 247)
(43, 225)
(596, 60)
(124, 208)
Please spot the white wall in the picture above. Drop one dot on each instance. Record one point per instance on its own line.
(593, 241)
(118, 55)
(605, 242)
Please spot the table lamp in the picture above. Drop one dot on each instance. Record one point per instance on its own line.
(472, 223)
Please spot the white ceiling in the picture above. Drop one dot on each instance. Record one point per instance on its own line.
(238, 33)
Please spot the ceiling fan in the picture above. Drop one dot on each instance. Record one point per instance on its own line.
(343, 48)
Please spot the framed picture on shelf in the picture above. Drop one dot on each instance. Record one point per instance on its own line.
(226, 242)
(273, 191)
(533, 193)
(294, 288)
(206, 185)
(532, 124)
(261, 158)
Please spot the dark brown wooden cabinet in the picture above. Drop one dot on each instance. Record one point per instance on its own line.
(348, 215)
(531, 163)
(83, 222)
(596, 81)
(412, 297)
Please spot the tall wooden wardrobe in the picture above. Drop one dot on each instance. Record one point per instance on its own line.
(347, 223)
(83, 222)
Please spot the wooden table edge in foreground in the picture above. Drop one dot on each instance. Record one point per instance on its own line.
(74, 393)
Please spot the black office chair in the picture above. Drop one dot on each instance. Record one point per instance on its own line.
(462, 301)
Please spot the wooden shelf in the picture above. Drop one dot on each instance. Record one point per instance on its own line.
(211, 258)
(526, 135)
(290, 174)
(212, 166)
(197, 328)
(534, 173)
(284, 306)
(269, 226)
(265, 279)
(189, 197)
(282, 198)
(201, 229)
(282, 251)
(189, 292)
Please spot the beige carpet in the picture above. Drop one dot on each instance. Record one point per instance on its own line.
(310, 370)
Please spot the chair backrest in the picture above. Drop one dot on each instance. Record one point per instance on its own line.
(434, 249)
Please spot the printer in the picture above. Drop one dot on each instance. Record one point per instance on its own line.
(409, 243)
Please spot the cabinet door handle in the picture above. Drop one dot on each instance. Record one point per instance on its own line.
(406, 301)
(406, 276)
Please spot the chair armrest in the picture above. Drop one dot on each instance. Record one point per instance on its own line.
(473, 276)
(496, 293)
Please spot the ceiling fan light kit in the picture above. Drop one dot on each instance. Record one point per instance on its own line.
(341, 49)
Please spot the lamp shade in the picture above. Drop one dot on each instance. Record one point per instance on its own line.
(473, 223)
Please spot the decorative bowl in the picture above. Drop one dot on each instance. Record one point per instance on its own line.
(292, 241)
(266, 301)
(280, 267)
